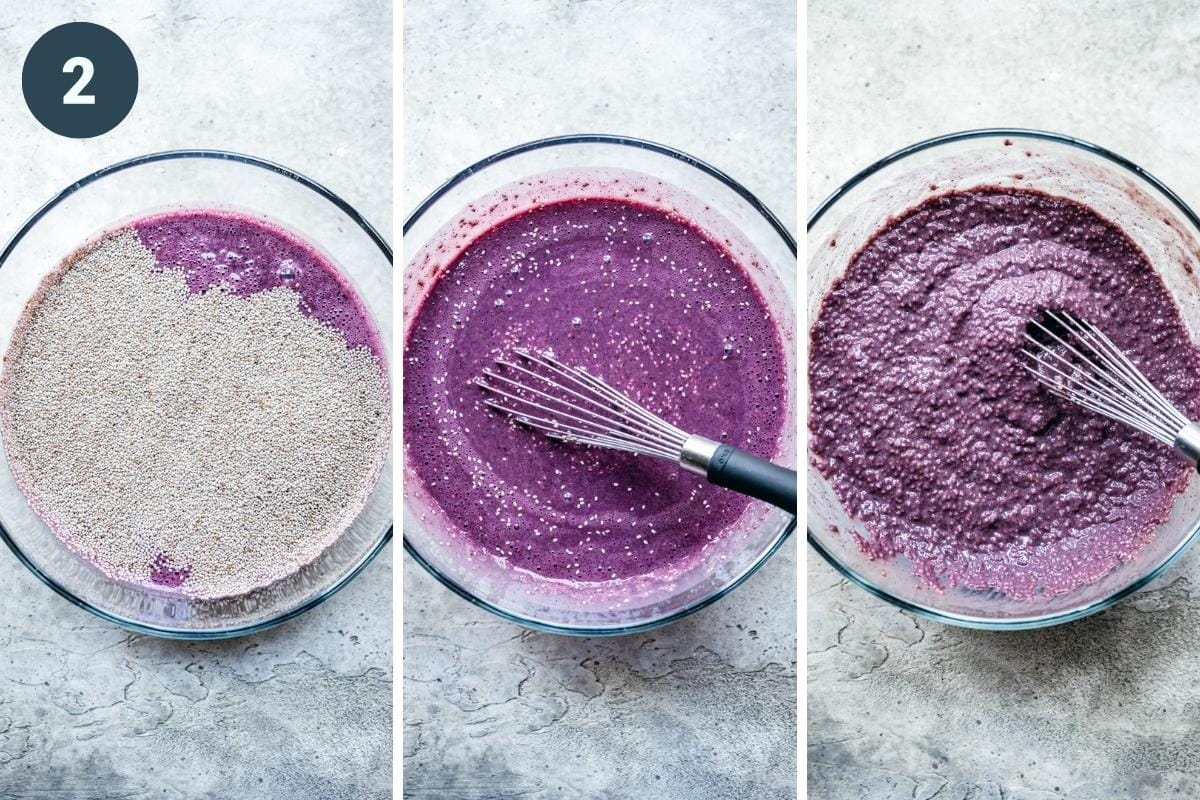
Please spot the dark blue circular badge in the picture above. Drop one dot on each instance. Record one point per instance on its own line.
(79, 80)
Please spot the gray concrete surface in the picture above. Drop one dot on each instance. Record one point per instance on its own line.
(87, 711)
(706, 707)
(1103, 709)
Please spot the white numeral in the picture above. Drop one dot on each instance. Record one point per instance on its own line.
(86, 70)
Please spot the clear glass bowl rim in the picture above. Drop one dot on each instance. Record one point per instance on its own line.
(308, 183)
(776, 225)
(1018, 623)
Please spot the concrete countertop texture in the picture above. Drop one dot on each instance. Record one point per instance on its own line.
(705, 707)
(1107, 708)
(89, 711)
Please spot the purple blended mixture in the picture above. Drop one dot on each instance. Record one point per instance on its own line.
(637, 296)
(248, 255)
(935, 437)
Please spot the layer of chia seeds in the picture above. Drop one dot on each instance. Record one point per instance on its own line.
(201, 439)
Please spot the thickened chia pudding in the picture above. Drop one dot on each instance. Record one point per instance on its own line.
(638, 295)
(933, 435)
(196, 401)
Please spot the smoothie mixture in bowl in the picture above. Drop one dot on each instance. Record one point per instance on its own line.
(602, 269)
(196, 402)
(932, 432)
(942, 475)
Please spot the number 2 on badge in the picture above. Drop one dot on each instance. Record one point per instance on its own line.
(86, 70)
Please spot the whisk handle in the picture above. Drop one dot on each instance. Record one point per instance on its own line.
(742, 472)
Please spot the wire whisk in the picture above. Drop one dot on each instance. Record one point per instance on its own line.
(1076, 361)
(569, 404)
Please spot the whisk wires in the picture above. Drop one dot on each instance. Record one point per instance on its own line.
(1081, 364)
(572, 405)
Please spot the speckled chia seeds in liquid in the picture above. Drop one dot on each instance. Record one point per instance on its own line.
(196, 401)
(933, 435)
(635, 295)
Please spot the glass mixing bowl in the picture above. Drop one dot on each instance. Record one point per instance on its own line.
(195, 179)
(673, 180)
(1160, 223)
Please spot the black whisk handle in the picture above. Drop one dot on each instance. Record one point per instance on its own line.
(748, 474)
